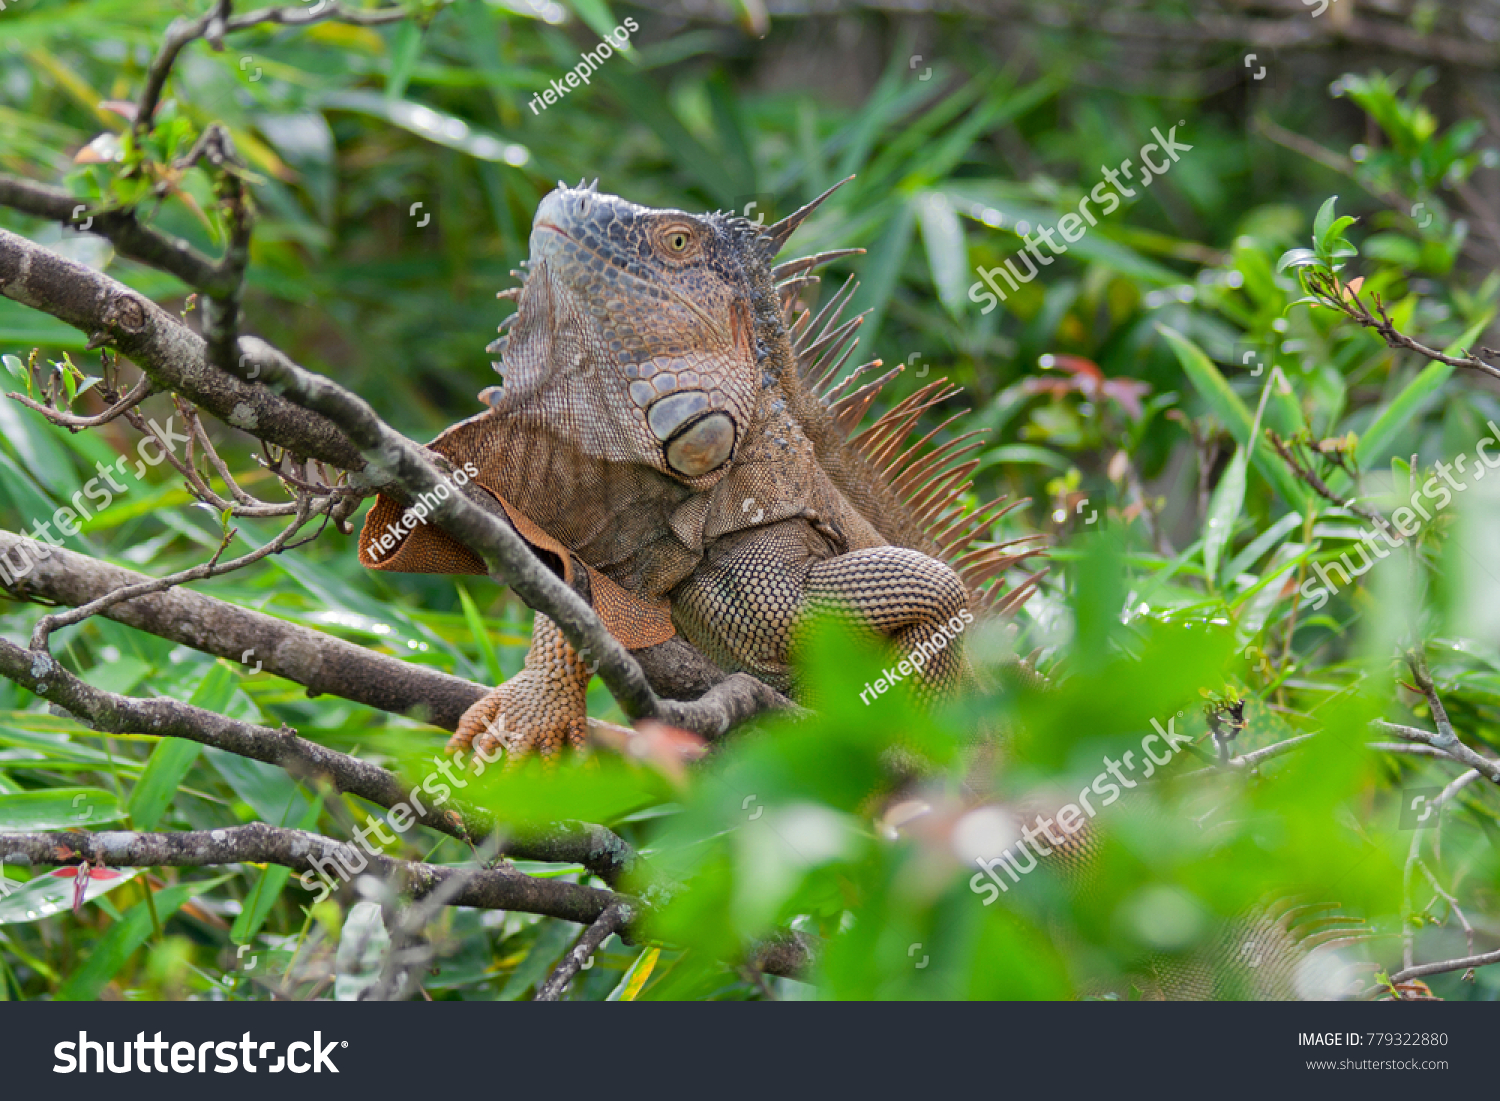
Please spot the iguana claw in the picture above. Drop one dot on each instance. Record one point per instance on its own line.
(539, 710)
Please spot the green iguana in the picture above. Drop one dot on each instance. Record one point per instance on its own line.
(673, 421)
(670, 423)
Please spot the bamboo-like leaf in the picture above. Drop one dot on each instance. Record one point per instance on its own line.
(268, 887)
(59, 809)
(635, 978)
(947, 258)
(111, 952)
(1229, 495)
(480, 634)
(1226, 405)
(173, 757)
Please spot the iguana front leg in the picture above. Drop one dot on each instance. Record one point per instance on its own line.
(540, 709)
(914, 600)
(744, 609)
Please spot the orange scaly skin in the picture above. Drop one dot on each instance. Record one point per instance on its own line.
(670, 420)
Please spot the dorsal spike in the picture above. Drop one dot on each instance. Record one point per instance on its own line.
(807, 263)
(834, 392)
(1003, 606)
(791, 288)
(834, 339)
(782, 231)
(892, 464)
(821, 385)
(940, 459)
(825, 322)
(847, 411)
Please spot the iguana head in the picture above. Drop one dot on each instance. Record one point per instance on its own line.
(637, 330)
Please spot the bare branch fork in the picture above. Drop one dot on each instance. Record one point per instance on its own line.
(1339, 296)
(576, 957)
(1446, 741)
(599, 850)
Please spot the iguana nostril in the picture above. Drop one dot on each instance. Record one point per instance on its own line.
(672, 412)
(704, 446)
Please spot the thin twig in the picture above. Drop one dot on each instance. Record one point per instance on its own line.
(212, 568)
(578, 955)
(1466, 964)
(138, 393)
(1413, 857)
(1452, 904)
(1343, 298)
(1250, 760)
(1457, 752)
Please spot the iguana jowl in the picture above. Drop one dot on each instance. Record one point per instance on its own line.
(668, 419)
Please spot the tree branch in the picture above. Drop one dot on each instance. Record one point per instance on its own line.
(325, 665)
(1463, 964)
(572, 962)
(259, 843)
(598, 849)
(121, 227)
(171, 354)
(1455, 751)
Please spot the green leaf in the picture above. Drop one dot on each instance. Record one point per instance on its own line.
(169, 763)
(596, 15)
(481, 635)
(1297, 258)
(1226, 405)
(267, 889)
(173, 757)
(104, 961)
(635, 977)
(1229, 495)
(1324, 221)
(882, 269)
(404, 52)
(16, 366)
(947, 258)
(58, 809)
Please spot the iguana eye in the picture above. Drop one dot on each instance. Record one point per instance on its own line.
(677, 241)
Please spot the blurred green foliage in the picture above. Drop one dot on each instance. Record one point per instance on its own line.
(1125, 391)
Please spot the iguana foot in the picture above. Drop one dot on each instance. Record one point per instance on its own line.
(541, 709)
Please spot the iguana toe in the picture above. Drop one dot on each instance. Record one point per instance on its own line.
(539, 710)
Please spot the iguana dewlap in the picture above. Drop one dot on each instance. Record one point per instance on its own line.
(668, 419)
